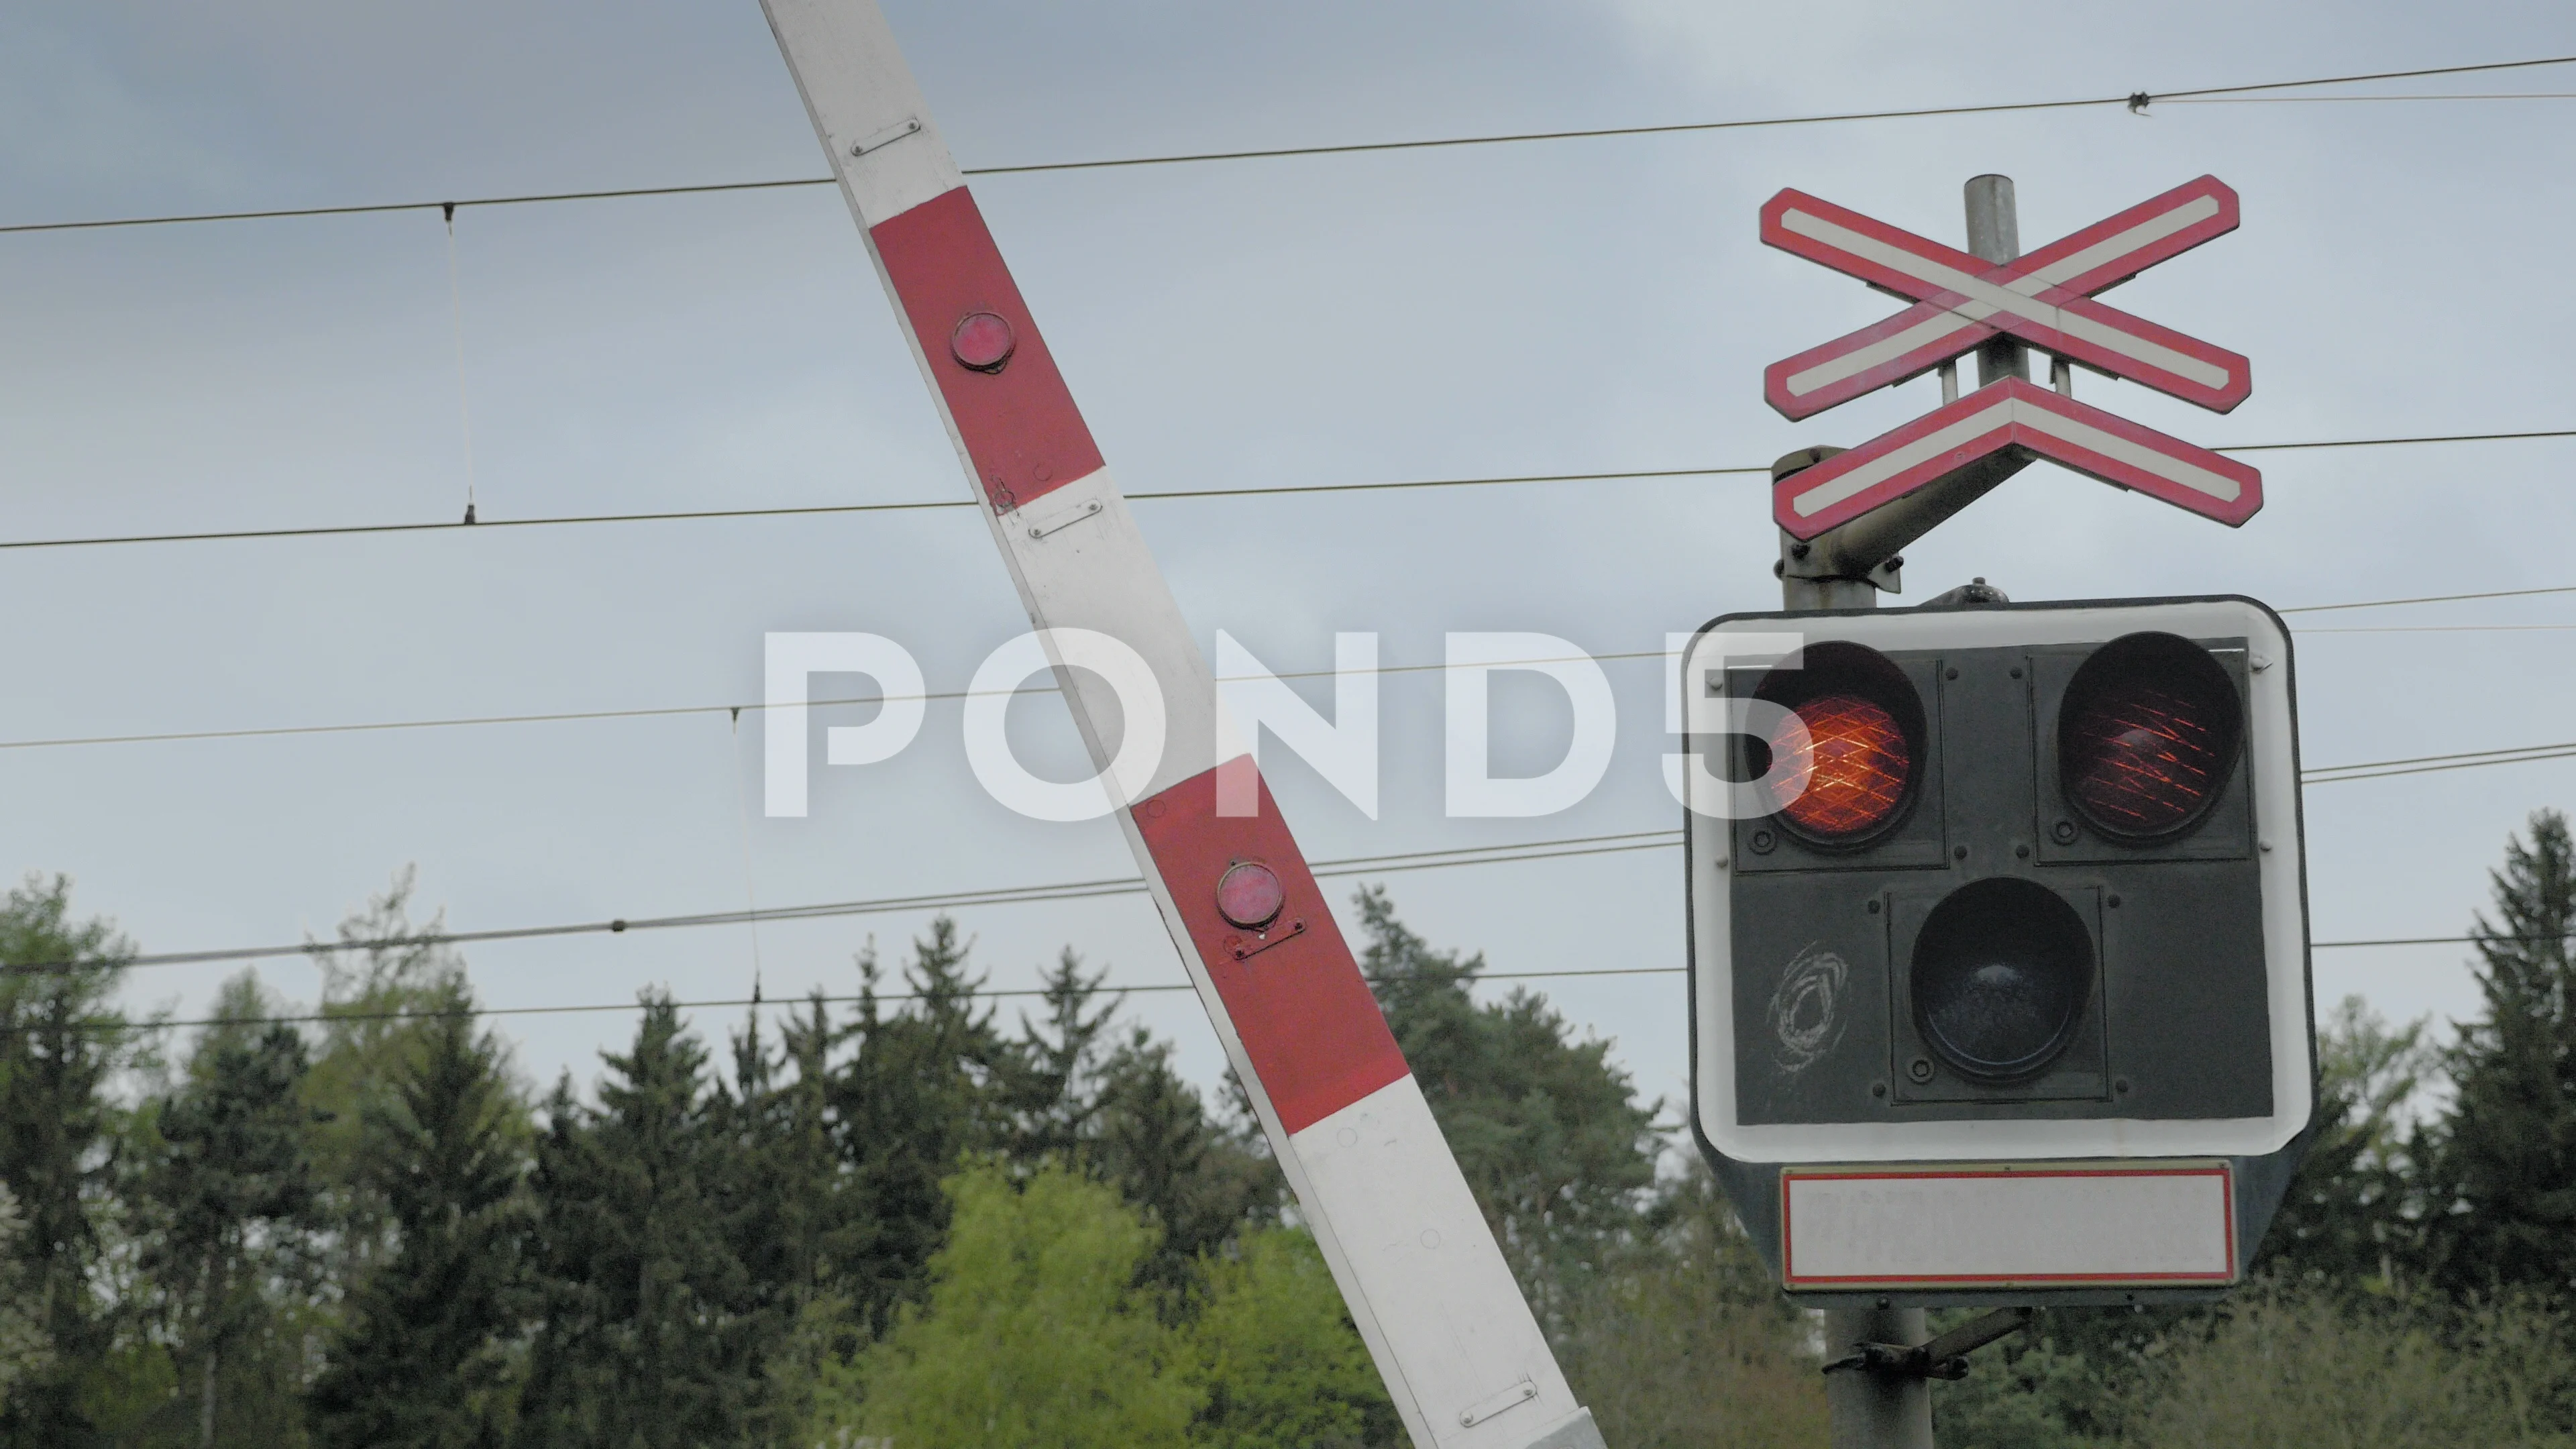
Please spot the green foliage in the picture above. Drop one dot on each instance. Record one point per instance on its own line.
(641, 1342)
(1548, 1132)
(1083, 1094)
(363, 1232)
(2065, 1383)
(1275, 1357)
(234, 1207)
(918, 1091)
(62, 1044)
(2352, 1213)
(379, 1007)
(2311, 1369)
(1034, 1336)
(24, 1348)
(1683, 1341)
(2503, 1194)
(1198, 1179)
(422, 1363)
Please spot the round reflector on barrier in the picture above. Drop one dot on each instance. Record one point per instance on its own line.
(1250, 895)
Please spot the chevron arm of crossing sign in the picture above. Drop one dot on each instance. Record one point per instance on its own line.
(2042, 298)
(2015, 414)
(1427, 1285)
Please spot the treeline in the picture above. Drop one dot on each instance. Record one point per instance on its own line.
(909, 1219)
(915, 1222)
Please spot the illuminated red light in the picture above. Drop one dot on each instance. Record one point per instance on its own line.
(2145, 760)
(1853, 769)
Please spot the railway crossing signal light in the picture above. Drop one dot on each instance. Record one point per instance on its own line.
(1999, 943)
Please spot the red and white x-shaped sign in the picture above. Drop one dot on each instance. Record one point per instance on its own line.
(2043, 298)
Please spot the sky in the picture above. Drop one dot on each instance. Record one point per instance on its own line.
(1570, 306)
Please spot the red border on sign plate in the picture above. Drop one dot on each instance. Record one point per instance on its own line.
(1789, 1278)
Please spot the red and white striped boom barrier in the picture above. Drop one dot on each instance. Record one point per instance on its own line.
(1427, 1285)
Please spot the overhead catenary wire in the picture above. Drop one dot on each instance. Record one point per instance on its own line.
(2431, 764)
(2345, 100)
(1504, 854)
(2433, 599)
(976, 993)
(736, 708)
(889, 905)
(2137, 101)
(1148, 495)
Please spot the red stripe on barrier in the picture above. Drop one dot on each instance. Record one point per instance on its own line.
(1293, 990)
(1010, 404)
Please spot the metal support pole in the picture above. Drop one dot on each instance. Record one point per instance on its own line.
(1994, 235)
(1870, 1410)
(1877, 1410)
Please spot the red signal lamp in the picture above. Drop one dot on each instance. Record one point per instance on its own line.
(1853, 775)
(2148, 736)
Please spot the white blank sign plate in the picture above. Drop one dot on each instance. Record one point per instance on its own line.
(2007, 1225)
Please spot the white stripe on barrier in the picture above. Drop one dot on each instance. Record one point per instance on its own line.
(1428, 1265)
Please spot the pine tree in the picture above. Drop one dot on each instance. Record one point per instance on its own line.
(1548, 1132)
(1054, 1083)
(379, 1008)
(791, 1214)
(237, 1209)
(2353, 1213)
(1117, 1109)
(642, 1342)
(2505, 1166)
(62, 1041)
(1200, 1180)
(920, 1090)
(422, 1362)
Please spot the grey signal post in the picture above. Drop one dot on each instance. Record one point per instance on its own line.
(1846, 568)
(2226, 1101)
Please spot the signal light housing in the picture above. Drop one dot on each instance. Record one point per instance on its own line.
(2027, 895)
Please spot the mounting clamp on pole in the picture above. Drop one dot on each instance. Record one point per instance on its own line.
(1945, 1357)
(1868, 549)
